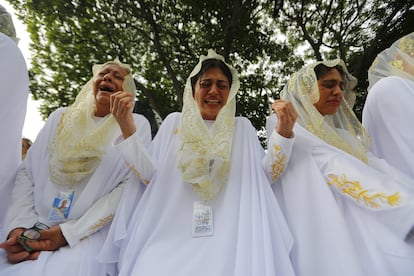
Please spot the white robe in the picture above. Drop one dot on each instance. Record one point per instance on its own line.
(14, 80)
(250, 233)
(335, 233)
(93, 206)
(388, 117)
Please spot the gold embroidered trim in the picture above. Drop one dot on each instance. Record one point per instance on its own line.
(100, 224)
(136, 173)
(354, 190)
(278, 166)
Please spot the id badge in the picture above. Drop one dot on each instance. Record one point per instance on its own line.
(202, 219)
(61, 206)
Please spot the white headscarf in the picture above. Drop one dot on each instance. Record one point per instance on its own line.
(81, 140)
(398, 60)
(204, 156)
(303, 91)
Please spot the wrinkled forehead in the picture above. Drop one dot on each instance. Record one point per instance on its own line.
(113, 67)
(215, 72)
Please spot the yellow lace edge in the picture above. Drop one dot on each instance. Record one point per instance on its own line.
(136, 173)
(355, 190)
(100, 224)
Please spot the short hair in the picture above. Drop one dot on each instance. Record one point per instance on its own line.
(208, 64)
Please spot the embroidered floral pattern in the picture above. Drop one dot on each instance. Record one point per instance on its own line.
(407, 45)
(398, 63)
(355, 190)
(279, 165)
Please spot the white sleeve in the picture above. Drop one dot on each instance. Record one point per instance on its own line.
(368, 188)
(137, 157)
(21, 212)
(278, 154)
(134, 149)
(96, 217)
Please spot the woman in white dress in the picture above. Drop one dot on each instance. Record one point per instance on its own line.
(209, 209)
(388, 113)
(73, 160)
(350, 213)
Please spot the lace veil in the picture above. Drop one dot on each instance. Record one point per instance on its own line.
(204, 155)
(337, 129)
(81, 139)
(6, 24)
(398, 60)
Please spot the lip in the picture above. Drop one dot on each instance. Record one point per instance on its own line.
(335, 102)
(212, 101)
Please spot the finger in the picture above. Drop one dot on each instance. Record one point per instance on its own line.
(15, 248)
(280, 106)
(17, 257)
(286, 111)
(117, 102)
(40, 245)
(33, 256)
(123, 106)
(14, 235)
(114, 99)
(50, 240)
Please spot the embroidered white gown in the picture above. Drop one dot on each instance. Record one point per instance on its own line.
(347, 218)
(250, 234)
(92, 209)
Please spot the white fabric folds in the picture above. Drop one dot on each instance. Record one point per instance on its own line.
(388, 110)
(346, 217)
(14, 80)
(35, 193)
(250, 233)
(388, 117)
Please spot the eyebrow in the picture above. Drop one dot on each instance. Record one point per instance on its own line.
(332, 81)
(210, 79)
(338, 80)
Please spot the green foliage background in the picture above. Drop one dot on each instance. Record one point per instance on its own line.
(162, 41)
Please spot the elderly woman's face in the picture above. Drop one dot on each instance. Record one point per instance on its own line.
(330, 92)
(108, 80)
(211, 92)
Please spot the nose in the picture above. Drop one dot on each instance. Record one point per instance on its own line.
(337, 90)
(214, 89)
(107, 77)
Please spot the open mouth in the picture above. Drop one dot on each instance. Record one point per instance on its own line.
(207, 101)
(106, 88)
